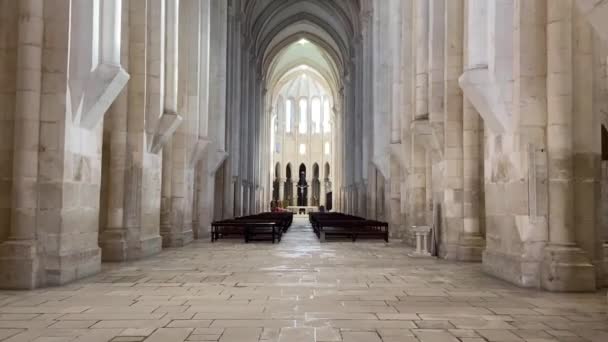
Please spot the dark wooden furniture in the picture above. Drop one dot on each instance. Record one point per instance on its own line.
(265, 226)
(348, 226)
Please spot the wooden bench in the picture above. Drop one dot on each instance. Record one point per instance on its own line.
(283, 219)
(263, 226)
(341, 225)
(249, 230)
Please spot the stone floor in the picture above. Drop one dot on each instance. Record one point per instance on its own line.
(298, 290)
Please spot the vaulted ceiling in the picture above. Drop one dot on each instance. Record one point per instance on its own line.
(277, 29)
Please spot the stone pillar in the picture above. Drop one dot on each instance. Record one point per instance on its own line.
(604, 218)
(245, 198)
(229, 191)
(281, 190)
(453, 150)
(428, 170)
(587, 117)
(294, 192)
(417, 188)
(308, 193)
(362, 203)
(436, 73)
(184, 148)
(322, 192)
(21, 261)
(422, 57)
(123, 234)
(471, 243)
(565, 267)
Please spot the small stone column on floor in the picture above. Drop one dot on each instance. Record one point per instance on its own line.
(422, 242)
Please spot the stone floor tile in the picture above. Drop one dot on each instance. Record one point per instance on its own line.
(400, 339)
(500, 335)
(189, 323)
(170, 334)
(72, 324)
(297, 335)
(137, 332)
(429, 335)
(241, 335)
(434, 324)
(360, 337)
(128, 339)
(6, 333)
(327, 334)
(338, 291)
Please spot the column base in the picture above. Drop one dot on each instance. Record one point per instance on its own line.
(420, 255)
(20, 267)
(470, 247)
(23, 268)
(63, 269)
(118, 249)
(177, 239)
(567, 269)
(514, 268)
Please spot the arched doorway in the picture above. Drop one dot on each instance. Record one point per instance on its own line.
(302, 187)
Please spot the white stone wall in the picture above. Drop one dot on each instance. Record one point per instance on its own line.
(501, 162)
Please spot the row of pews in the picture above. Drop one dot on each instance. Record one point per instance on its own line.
(349, 226)
(264, 226)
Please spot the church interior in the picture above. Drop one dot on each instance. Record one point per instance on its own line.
(304, 170)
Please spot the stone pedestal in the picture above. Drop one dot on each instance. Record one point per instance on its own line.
(567, 269)
(422, 242)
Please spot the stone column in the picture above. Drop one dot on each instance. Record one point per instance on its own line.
(322, 192)
(565, 267)
(422, 57)
(281, 190)
(21, 261)
(309, 193)
(245, 198)
(185, 145)
(436, 70)
(417, 187)
(453, 150)
(602, 106)
(604, 218)
(294, 192)
(471, 243)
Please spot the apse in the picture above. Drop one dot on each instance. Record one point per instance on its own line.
(301, 99)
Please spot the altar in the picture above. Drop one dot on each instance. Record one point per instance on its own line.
(304, 210)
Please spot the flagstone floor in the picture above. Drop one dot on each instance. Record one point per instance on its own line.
(298, 291)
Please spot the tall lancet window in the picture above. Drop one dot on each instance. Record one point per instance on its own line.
(326, 116)
(288, 115)
(316, 115)
(303, 115)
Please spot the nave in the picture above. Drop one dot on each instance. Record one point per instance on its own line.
(300, 290)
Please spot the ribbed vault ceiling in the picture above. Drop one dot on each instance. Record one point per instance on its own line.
(276, 29)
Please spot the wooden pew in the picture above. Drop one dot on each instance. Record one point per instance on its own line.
(341, 225)
(253, 227)
(250, 230)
